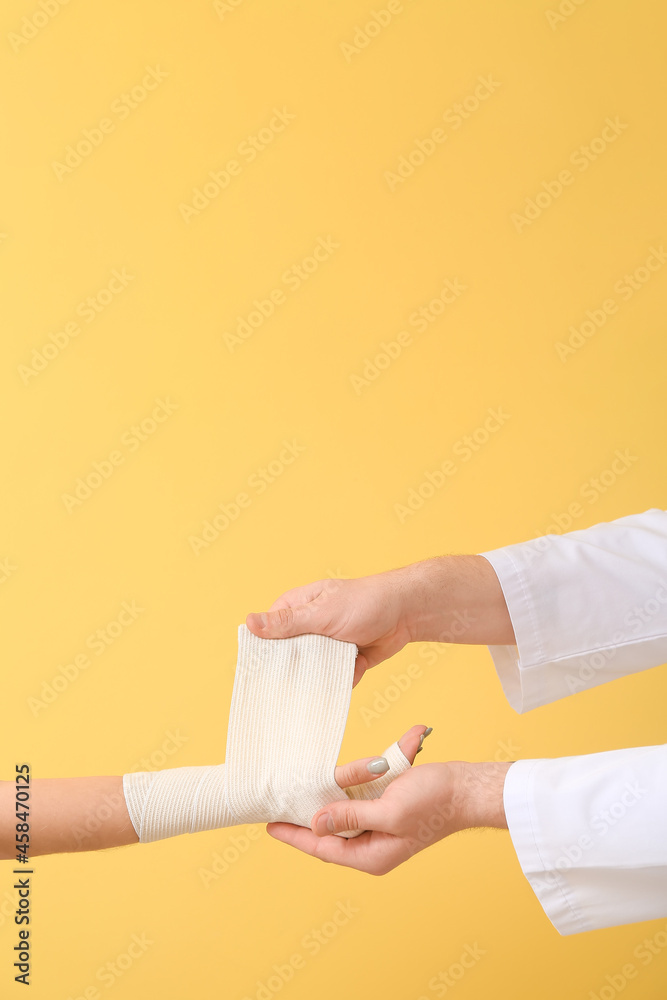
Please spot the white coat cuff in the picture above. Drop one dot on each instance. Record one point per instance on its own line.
(590, 834)
(527, 838)
(513, 662)
(587, 607)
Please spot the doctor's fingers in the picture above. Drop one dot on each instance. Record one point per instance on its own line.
(373, 853)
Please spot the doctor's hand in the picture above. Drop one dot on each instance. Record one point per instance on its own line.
(369, 611)
(454, 598)
(423, 805)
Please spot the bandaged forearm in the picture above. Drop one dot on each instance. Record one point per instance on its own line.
(289, 707)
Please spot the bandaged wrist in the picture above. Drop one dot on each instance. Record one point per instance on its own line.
(289, 707)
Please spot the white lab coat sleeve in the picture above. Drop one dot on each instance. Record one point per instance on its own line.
(590, 832)
(586, 607)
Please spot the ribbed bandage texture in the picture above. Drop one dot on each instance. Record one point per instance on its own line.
(289, 707)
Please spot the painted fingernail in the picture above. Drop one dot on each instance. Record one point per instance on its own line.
(423, 736)
(378, 766)
(325, 824)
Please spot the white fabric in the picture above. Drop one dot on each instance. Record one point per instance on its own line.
(588, 606)
(289, 706)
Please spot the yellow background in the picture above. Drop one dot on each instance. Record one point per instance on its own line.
(331, 511)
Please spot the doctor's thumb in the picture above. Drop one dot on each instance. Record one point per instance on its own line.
(283, 622)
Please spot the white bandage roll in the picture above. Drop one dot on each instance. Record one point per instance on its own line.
(289, 707)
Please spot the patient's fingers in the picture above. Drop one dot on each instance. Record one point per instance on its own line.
(357, 772)
(412, 741)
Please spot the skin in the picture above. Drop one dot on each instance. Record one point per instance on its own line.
(61, 809)
(445, 599)
(423, 805)
(455, 598)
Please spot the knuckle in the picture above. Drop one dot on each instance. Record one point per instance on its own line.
(345, 819)
(284, 617)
